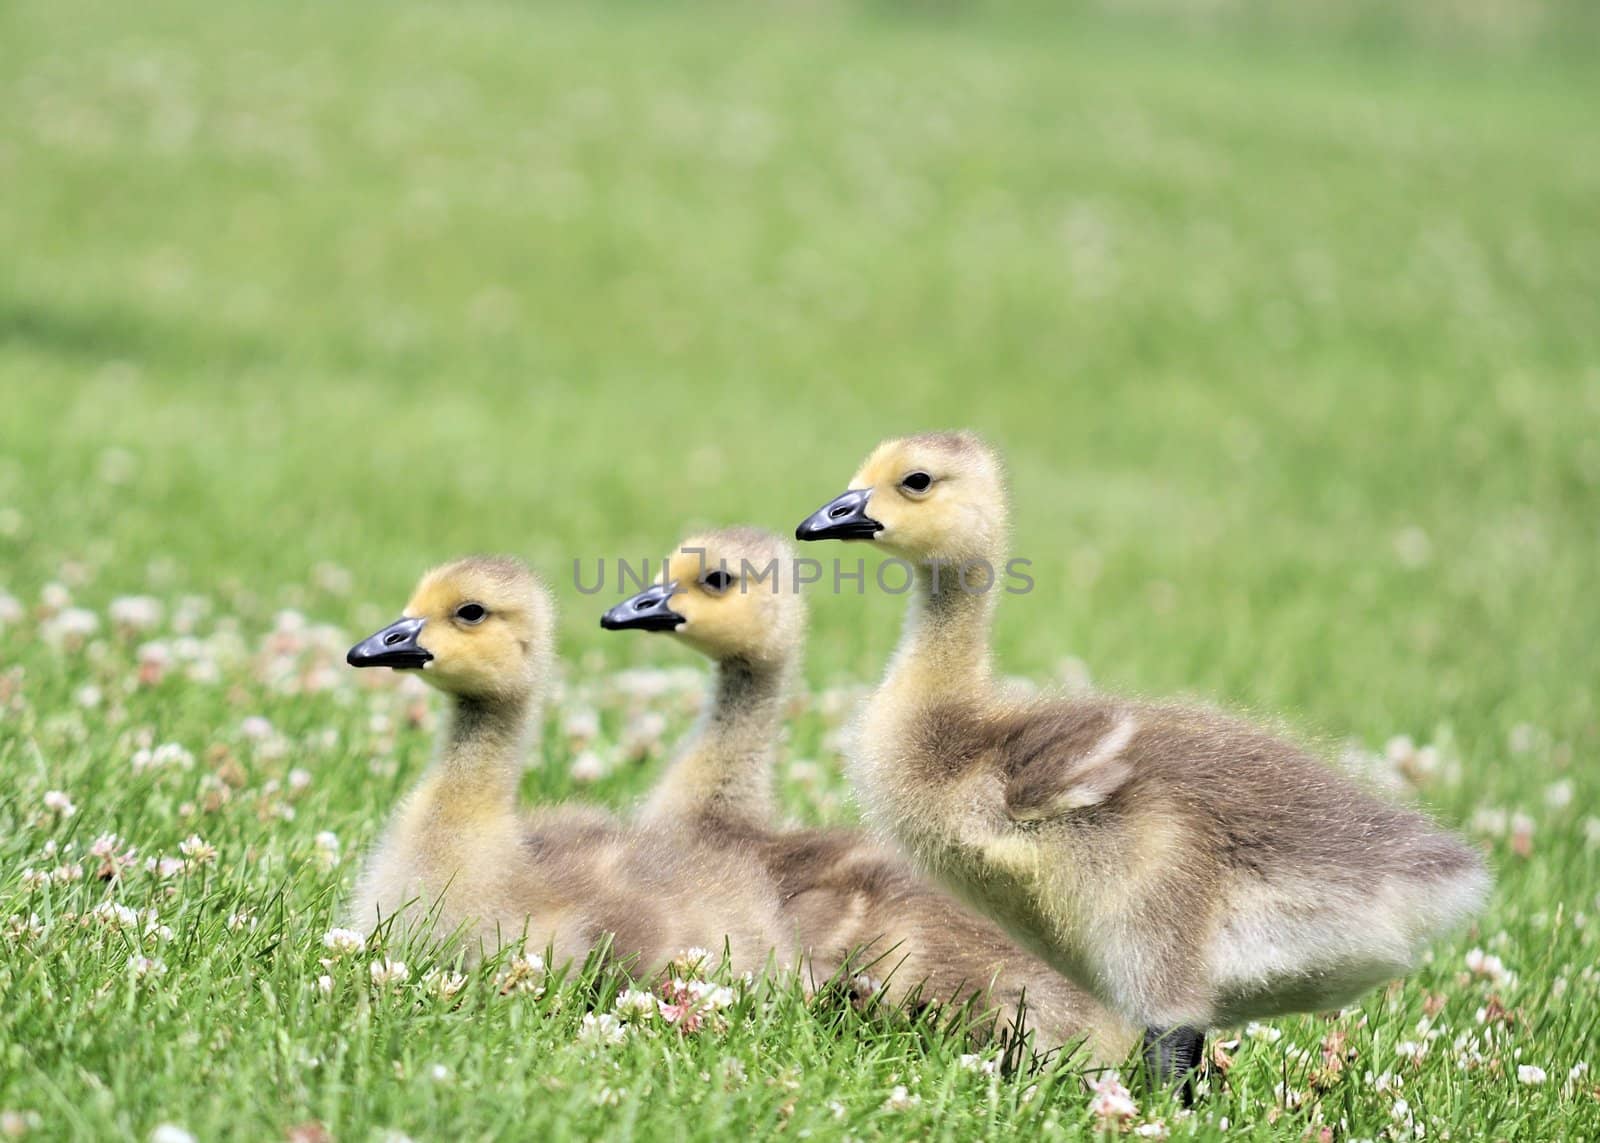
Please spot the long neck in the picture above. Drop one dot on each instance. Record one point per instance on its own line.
(480, 763)
(944, 645)
(725, 769)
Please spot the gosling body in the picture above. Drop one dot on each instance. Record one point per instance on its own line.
(1189, 869)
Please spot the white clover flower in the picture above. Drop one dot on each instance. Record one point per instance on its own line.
(587, 767)
(1110, 1099)
(344, 942)
(691, 961)
(602, 1030)
(170, 1133)
(298, 779)
(20, 928)
(88, 696)
(523, 974)
(34, 878)
(386, 972)
(69, 628)
(57, 802)
(1264, 1032)
(256, 728)
(325, 985)
(1386, 1082)
(1411, 1050)
(66, 873)
(1155, 1129)
(164, 867)
(1487, 965)
(168, 754)
(1530, 1074)
(239, 922)
(635, 1005)
(140, 967)
(197, 850)
(443, 984)
(983, 1065)
(114, 915)
(708, 997)
(135, 612)
(1558, 795)
(154, 658)
(865, 986)
(327, 850)
(901, 1099)
(580, 723)
(11, 609)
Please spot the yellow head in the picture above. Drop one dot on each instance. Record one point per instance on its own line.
(480, 627)
(934, 496)
(729, 594)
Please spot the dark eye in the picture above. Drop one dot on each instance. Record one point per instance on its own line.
(916, 482)
(717, 581)
(472, 613)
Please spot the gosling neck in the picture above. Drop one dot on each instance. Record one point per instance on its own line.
(725, 769)
(944, 644)
(480, 760)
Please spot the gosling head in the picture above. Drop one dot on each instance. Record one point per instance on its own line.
(478, 628)
(729, 594)
(934, 496)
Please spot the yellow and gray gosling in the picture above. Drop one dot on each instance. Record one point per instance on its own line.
(731, 595)
(1188, 868)
(460, 857)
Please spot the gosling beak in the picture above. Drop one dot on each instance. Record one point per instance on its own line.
(394, 646)
(647, 611)
(842, 518)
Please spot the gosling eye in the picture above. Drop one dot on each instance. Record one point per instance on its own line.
(916, 483)
(716, 581)
(472, 614)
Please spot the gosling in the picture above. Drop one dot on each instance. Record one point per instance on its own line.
(458, 854)
(1190, 870)
(858, 910)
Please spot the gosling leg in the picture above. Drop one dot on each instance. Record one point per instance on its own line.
(1172, 1056)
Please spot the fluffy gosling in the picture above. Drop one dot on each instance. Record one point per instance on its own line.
(1189, 869)
(459, 855)
(859, 911)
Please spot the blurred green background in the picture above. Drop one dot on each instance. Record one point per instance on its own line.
(1286, 320)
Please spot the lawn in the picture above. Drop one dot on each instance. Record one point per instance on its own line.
(1291, 337)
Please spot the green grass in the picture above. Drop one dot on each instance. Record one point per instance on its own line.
(1291, 339)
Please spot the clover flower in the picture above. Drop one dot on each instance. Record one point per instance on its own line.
(344, 942)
